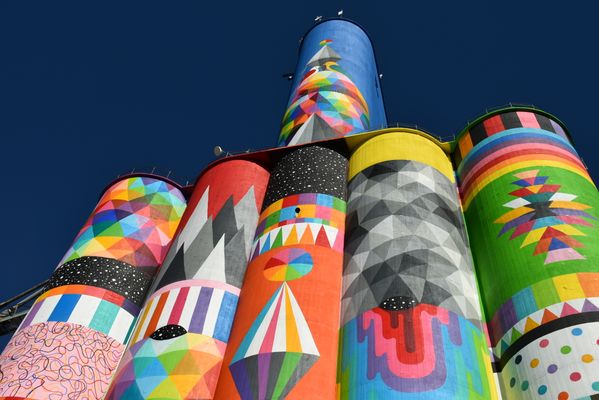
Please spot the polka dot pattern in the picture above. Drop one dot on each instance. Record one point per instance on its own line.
(168, 332)
(106, 273)
(561, 365)
(312, 169)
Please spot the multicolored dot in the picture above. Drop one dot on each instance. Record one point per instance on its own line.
(512, 382)
(518, 359)
(563, 396)
(595, 386)
(552, 368)
(544, 343)
(587, 358)
(524, 386)
(534, 363)
(576, 331)
(575, 376)
(565, 349)
(542, 389)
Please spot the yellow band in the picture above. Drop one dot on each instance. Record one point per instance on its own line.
(399, 146)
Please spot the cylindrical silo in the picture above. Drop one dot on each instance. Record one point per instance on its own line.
(178, 344)
(284, 338)
(531, 211)
(410, 312)
(335, 90)
(69, 344)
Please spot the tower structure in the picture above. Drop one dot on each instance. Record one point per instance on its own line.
(353, 261)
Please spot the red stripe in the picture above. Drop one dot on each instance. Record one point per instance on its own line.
(178, 307)
(493, 125)
(513, 154)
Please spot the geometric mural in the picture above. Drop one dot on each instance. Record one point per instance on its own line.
(183, 367)
(177, 346)
(326, 103)
(410, 312)
(70, 342)
(406, 238)
(284, 338)
(212, 247)
(276, 365)
(133, 222)
(546, 216)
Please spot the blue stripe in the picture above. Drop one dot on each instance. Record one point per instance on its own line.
(522, 134)
(65, 306)
(225, 317)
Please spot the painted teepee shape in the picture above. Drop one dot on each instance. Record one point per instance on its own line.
(277, 351)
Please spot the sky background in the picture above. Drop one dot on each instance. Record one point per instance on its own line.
(90, 91)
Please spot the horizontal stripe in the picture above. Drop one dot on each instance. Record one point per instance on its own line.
(512, 135)
(399, 146)
(103, 294)
(89, 311)
(539, 296)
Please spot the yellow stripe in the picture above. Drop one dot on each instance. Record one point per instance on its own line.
(480, 185)
(399, 146)
(568, 287)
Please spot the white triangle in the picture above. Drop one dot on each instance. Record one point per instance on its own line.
(213, 268)
(331, 232)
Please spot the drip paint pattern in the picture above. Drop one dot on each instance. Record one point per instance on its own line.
(546, 216)
(409, 350)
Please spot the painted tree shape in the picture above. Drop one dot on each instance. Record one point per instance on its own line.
(547, 217)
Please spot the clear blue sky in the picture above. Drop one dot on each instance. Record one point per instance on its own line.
(92, 90)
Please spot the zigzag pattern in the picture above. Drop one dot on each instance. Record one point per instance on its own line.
(538, 318)
(314, 234)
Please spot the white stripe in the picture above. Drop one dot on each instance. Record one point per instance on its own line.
(212, 312)
(120, 326)
(84, 311)
(254, 347)
(280, 340)
(189, 306)
(143, 325)
(45, 309)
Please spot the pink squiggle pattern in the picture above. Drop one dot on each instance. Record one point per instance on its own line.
(58, 361)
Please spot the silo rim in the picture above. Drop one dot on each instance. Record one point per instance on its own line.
(142, 175)
(510, 108)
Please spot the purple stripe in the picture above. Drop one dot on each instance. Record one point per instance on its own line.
(31, 314)
(199, 312)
